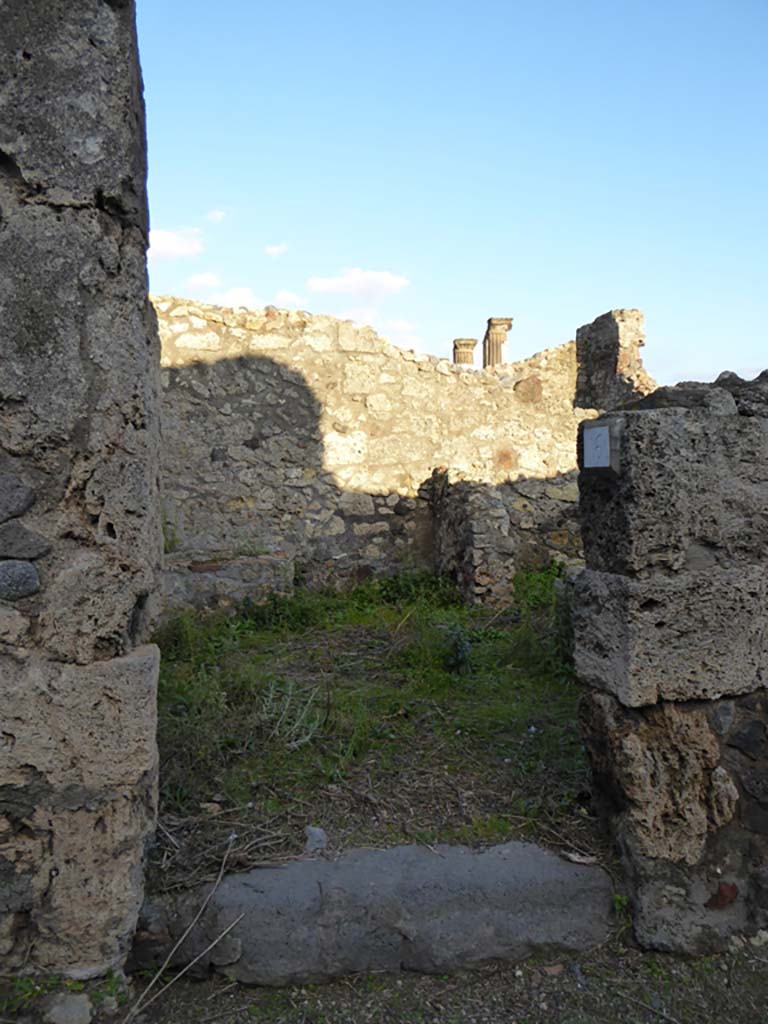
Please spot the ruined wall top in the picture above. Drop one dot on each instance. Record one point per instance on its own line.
(610, 364)
(300, 433)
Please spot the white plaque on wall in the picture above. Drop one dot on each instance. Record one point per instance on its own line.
(597, 447)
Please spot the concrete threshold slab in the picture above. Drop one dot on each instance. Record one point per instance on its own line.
(408, 907)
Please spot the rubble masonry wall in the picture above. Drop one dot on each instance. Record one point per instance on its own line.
(79, 525)
(300, 444)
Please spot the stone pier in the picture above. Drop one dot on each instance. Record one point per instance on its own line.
(610, 362)
(79, 530)
(494, 340)
(671, 643)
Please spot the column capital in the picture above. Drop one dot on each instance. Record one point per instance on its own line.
(464, 350)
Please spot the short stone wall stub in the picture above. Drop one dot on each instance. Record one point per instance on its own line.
(79, 509)
(670, 640)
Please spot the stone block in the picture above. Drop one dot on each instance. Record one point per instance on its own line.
(684, 785)
(693, 636)
(18, 580)
(78, 765)
(691, 489)
(15, 496)
(402, 908)
(16, 541)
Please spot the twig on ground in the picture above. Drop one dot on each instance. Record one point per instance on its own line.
(221, 991)
(404, 619)
(192, 963)
(647, 1006)
(139, 1004)
(168, 835)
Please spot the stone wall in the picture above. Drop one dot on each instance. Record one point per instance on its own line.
(610, 366)
(670, 625)
(79, 526)
(484, 533)
(293, 440)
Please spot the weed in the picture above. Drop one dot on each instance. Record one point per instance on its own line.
(534, 589)
(620, 904)
(171, 540)
(20, 993)
(408, 588)
(459, 649)
(394, 690)
(290, 714)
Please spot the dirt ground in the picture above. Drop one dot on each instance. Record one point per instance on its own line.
(613, 985)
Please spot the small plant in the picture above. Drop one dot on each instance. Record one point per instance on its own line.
(21, 993)
(459, 650)
(290, 714)
(295, 614)
(112, 986)
(249, 549)
(171, 540)
(622, 910)
(620, 904)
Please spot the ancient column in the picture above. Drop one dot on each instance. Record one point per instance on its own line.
(464, 351)
(494, 340)
(79, 523)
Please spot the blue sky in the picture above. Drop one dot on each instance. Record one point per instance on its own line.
(425, 165)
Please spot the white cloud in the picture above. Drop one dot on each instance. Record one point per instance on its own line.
(398, 326)
(276, 250)
(215, 216)
(402, 333)
(241, 296)
(203, 282)
(174, 245)
(365, 284)
(286, 299)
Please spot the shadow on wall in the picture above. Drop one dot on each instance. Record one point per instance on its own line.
(300, 447)
(249, 503)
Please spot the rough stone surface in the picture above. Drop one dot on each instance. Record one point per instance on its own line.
(74, 311)
(670, 618)
(15, 496)
(610, 367)
(484, 533)
(665, 512)
(688, 636)
(79, 430)
(77, 801)
(224, 583)
(684, 784)
(287, 432)
(406, 907)
(18, 580)
(67, 1008)
(16, 541)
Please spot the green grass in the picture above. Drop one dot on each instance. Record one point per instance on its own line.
(384, 687)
